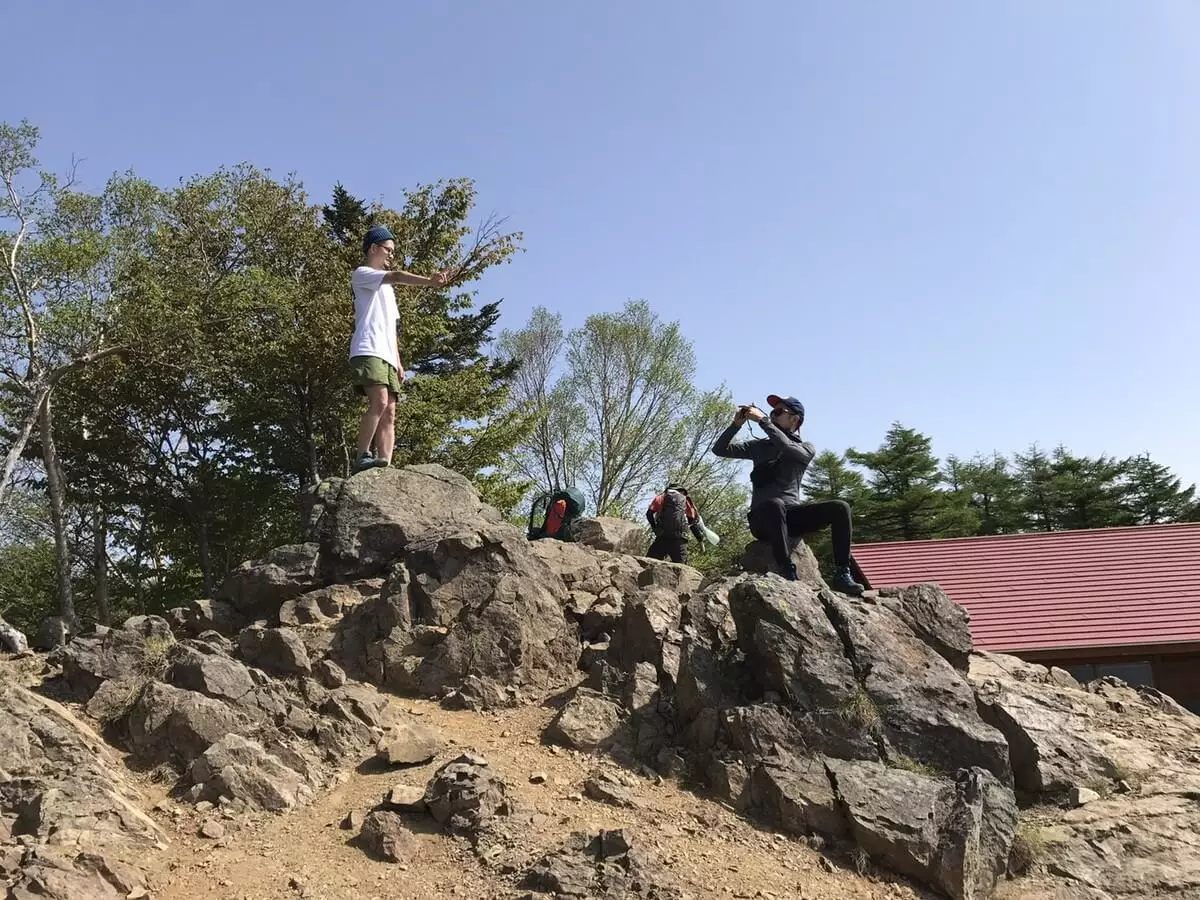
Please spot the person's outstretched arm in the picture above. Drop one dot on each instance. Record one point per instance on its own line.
(437, 279)
(725, 446)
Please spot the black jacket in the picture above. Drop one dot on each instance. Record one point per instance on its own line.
(780, 460)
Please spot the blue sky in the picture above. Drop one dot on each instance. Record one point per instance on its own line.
(979, 219)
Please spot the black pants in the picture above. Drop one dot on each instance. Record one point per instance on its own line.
(782, 524)
(673, 546)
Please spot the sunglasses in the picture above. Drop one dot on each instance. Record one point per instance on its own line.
(781, 410)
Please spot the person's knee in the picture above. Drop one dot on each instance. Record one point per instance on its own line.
(389, 410)
(842, 507)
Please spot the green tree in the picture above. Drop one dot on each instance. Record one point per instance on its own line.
(905, 502)
(65, 257)
(1153, 494)
(988, 485)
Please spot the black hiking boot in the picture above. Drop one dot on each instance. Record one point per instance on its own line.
(843, 582)
(789, 572)
(366, 461)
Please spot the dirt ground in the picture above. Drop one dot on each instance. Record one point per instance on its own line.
(708, 850)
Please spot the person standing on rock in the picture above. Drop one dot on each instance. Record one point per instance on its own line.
(777, 515)
(374, 349)
(671, 514)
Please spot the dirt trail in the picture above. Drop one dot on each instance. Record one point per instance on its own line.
(709, 850)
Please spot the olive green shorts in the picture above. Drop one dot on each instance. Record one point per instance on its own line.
(373, 370)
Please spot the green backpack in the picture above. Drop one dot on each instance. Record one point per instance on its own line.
(547, 522)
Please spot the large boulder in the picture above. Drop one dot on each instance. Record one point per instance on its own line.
(927, 707)
(168, 724)
(368, 520)
(474, 612)
(240, 768)
(613, 535)
(954, 836)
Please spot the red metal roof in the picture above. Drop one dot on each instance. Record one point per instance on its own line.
(1105, 587)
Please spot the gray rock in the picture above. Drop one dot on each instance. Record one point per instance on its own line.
(258, 588)
(320, 606)
(410, 743)
(279, 651)
(220, 616)
(1081, 796)
(329, 673)
(927, 708)
(607, 865)
(353, 821)
(212, 674)
(954, 836)
(139, 649)
(934, 618)
(604, 789)
(406, 798)
(384, 835)
(465, 795)
(760, 560)
(612, 535)
(167, 724)
(789, 643)
(1052, 731)
(11, 639)
(77, 813)
(242, 769)
(370, 519)
(589, 721)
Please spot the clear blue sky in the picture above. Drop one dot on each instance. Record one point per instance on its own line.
(980, 219)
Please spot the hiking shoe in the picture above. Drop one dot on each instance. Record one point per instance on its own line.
(381, 463)
(789, 573)
(843, 582)
(366, 461)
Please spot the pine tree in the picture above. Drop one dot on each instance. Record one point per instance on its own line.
(1153, 494)
(905, 503)
(988, 485)
(345, 216)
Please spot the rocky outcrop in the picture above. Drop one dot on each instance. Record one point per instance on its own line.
(868, 721)
(76, 822)
(1135, 748)
(815, 713)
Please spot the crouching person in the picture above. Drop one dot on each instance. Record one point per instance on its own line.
(777, 514)
(671, 515)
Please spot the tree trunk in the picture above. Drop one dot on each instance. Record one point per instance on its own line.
(57, 492)
(100, 564)
(19, 442)
(202, 547)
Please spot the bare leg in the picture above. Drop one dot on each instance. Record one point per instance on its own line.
(385, 432)
(377, 404)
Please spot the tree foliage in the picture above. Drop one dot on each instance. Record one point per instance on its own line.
(205, 330)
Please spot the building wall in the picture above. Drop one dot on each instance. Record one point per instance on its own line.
(1175, 674)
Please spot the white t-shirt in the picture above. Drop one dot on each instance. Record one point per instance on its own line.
(375, 316)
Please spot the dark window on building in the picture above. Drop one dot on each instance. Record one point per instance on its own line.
(1133, 673)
